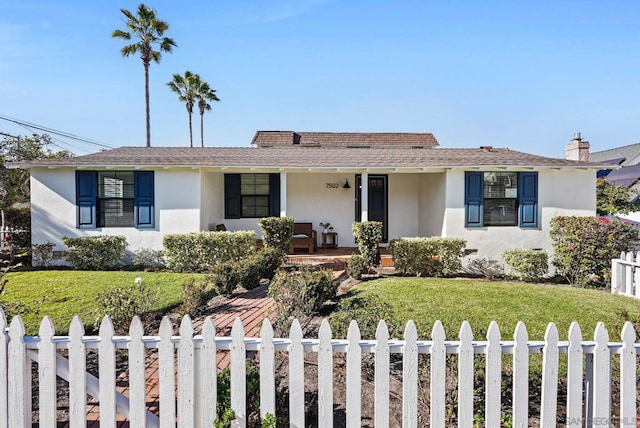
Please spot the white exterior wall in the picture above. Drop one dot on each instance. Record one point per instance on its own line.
(432, 199)
(54, 213)
(404, 205)
(562, 192)
(212, 197)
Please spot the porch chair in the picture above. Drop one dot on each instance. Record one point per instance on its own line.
(304, 237)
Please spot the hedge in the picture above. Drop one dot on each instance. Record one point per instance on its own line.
(428, 256)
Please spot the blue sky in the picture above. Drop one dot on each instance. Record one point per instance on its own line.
(519, 74)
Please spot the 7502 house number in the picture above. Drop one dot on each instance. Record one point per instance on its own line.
(333, 185)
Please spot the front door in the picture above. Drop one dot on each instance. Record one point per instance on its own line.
(377, 206)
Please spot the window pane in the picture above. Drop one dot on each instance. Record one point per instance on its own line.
(501, 185)
(500, 212)
(255, 206)
(262, 189)
(115, 213)
(261, 179)
(115, 184)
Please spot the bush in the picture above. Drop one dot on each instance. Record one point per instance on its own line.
(487, 268)
(527, 265)
(95, 252)
(428, 256)
(224, 277)
(369, 235)
(122, 303)
(199, 252)
(148, 258)
(42, 254)
(584, 246)
(367, 310)
(357, 266)
(18, 219)
(196, 296)
(277, 232)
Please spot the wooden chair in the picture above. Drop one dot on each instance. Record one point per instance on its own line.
(304, 237)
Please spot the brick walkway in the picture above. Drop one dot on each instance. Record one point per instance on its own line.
(252, 307)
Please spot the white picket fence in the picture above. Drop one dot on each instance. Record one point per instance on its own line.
(589, 374)
(625, 275)
(4, 231)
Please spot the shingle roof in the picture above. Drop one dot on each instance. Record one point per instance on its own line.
(306, 157)
(629, 153)
(343, 139)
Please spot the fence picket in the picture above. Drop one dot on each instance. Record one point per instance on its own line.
(107, 374)
(4, 381)
(208, 373)
(267, 370)
(137, 382)
(354, 379)
(47, 397)
(296, 377)
(465, 376)
(166, 375)
(19, 381)
(77, 378)
(238, 374)
(549, 376)
(325, 376)
(381, 412)
(186, 376)
(521, 376)
(601, 374)
(628, 275)
(438, 373)
(493, 377)
(410, 377)
(574, 375)
(636, 278)
(628, 362)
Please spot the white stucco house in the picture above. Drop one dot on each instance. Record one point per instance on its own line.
(495, 198)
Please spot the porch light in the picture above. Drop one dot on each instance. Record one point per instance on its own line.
(346, 184)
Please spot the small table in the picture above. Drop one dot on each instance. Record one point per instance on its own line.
(329, 240)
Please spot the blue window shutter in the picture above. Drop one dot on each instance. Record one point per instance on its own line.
(274, 195)
(143, 200)
(528, 199)
(86, 186)
(232, 198)
(473, 198)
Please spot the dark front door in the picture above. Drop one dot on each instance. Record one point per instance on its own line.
(377, 206)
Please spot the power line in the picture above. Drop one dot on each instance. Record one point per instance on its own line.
(55, 132)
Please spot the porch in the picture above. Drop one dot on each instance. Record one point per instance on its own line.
(338, 257)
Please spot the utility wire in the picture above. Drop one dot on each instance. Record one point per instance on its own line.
(55, 132)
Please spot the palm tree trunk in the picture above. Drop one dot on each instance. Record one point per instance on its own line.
(202, 129)
(146, 98)
(190, 130)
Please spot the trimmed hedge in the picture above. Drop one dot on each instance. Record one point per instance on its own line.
(199, 252)
(95, 252)
(527, 265)
(369, 235)
(277, 232)
(428, 256)
(19, 221)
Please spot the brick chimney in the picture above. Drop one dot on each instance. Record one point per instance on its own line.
(577, 149)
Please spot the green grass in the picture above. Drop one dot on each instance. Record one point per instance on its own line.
(61, 294)
(425, 300)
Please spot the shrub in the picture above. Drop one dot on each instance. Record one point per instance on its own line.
(95, 252)
(149, 258)
(18, 219)
(122, 303)
(487, 268)
(196, 296)
(357, 266)
(367, 310)
(277, 232)
(428, 256)
(262, 264)
(369, 235)
(584, 246)
(527, 265)
(269, 260)
(42, 254)
(199, 252)
(224, 277)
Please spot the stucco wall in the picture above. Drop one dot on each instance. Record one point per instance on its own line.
(560, 192)
(212, 196)
(432, 204)
(53, 215)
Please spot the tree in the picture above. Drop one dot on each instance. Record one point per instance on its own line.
(14, 183)
(149, 30)
(204, 95)
(186, 87)
(614, 199)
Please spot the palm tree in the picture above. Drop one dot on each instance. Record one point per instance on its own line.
(203, 95)
(186, 88)
(146, 27)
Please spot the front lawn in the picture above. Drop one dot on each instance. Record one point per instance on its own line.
(65, 293)
(425, 300)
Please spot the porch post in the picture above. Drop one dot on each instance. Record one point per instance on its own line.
(283, 194)
(364, 197)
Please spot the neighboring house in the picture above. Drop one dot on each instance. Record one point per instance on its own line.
(625, 172)
(495, 198)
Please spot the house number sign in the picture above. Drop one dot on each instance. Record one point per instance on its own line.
(333, 185)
